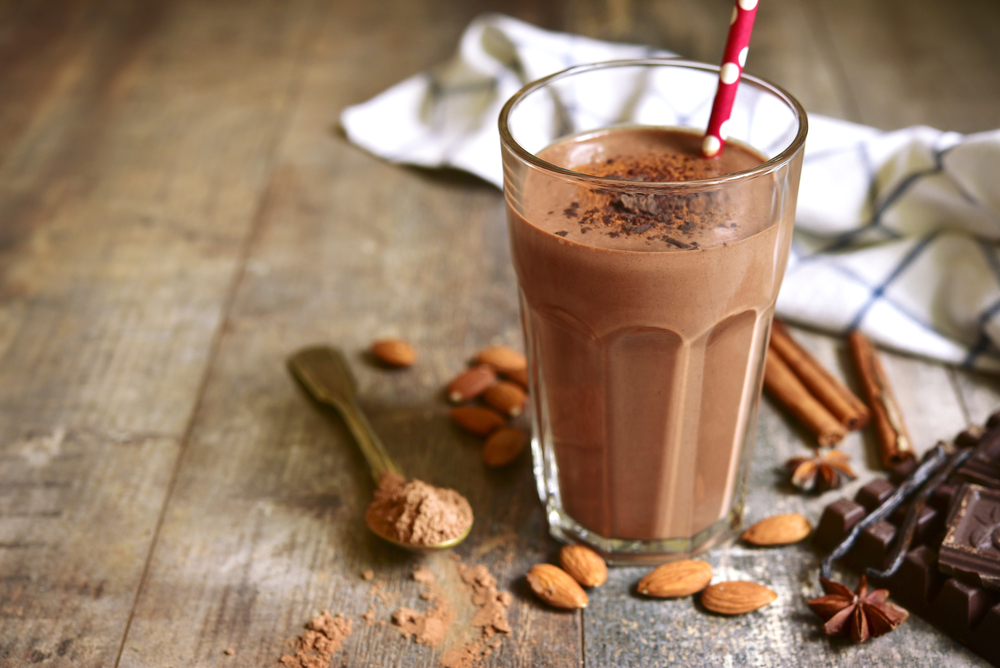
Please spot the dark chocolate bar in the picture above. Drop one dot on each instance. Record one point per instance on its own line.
(971, 547)
(959, 601)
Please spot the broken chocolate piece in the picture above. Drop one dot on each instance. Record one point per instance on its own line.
(874, 493)
(983, 468)
(872, 545)
(971, 548)
(935, 458)
(970, 436)
(918, 580)
(837, 520)
(966, 605)
(968, 612)
(919, 515)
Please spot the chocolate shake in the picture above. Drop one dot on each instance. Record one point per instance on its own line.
(648, 277)
(646, 313)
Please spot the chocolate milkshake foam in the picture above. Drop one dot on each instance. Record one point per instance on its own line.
(646, 313)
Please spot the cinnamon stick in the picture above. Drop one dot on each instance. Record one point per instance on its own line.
(838, 399)
(892, 438)
(782, 383)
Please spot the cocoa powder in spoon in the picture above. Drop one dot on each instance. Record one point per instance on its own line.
(416, 513)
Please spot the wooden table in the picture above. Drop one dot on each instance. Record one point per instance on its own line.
(179, 212)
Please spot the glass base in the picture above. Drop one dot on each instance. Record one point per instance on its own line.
(618, 551)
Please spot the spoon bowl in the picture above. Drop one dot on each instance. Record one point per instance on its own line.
(422, 549)
(323, 372)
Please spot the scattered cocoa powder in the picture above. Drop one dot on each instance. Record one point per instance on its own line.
(491, 617)
(325, 633)
(417, 513)
(427, 628)
(492, 613)
(464, 656)
(369, 616)
(323, 637)
(430, 627)
(378, 589)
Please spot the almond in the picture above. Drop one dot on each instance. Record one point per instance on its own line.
(736, 597)
(555, 586)
(503, 359)
(519, 376)
(394, 352)
(503, 446)
(584, 565)
(778, 530)
(506, 397)
(676, 579)
(478, 420)
(470, 384)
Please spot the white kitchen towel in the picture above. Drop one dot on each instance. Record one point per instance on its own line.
(896, 234)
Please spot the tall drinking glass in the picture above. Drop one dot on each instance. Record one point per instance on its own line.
(648, 277)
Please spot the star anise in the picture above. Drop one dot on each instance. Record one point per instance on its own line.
(859, 615)
(827, 470)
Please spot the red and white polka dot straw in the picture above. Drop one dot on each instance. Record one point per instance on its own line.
(734, 58)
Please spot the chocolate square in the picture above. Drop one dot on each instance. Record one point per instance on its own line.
(983, 468)
(971, 547)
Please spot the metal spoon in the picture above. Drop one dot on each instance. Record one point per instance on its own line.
(323, 372)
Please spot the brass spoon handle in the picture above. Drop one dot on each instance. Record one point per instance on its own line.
(323, 372)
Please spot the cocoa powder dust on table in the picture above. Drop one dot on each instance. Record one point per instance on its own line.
(416, 513)
(323, 637)
(490, 617)
(430, 627)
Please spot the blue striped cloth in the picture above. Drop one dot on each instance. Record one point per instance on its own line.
(896, 234)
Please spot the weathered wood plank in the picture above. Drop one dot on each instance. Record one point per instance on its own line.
(264, 527)
(77, 510)
(130, 165)
(980, 394)
(923, 63)
(176, 216)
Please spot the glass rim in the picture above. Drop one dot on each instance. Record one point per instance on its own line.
(785, 156)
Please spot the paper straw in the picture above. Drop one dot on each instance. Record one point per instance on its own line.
(734, 58)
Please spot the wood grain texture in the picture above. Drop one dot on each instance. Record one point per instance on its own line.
(910, 63)
(126, 199)
(179, 212)
(274, 486)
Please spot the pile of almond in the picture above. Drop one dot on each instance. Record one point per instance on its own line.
(563, 587)
(690, 576)
(582, 567)
(490, 393)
